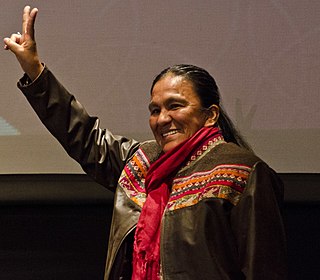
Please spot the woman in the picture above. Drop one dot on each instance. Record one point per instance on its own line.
(194, 204)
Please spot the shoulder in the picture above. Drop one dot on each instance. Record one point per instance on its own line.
(150, 149)
(231, 154)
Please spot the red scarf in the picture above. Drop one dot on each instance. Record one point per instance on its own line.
(146, 252)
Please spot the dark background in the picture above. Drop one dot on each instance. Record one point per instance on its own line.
(56, 226)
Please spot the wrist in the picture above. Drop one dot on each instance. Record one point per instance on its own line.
(35, 72)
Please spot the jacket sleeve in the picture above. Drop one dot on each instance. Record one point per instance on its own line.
(101, 154)
(258, 226)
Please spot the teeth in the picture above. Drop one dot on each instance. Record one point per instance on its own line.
(170, 133)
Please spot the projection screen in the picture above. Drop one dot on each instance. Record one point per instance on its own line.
(263, 54)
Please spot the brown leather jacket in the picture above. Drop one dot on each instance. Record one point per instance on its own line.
(232, 231)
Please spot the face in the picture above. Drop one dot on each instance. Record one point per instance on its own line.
(175, 111)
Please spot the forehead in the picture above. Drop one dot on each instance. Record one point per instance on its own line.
(171, 85)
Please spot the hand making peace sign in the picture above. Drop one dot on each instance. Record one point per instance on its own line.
(24, 45)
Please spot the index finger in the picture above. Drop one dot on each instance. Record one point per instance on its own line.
(28, 20)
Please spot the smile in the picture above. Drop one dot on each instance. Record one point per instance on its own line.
(171, 132)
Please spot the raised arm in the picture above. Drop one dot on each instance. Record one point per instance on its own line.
(24, 45)
(101, 154)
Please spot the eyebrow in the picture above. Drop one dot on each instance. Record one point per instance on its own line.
(151, 106)
(168, 101)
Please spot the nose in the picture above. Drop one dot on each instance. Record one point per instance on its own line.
(164, 117)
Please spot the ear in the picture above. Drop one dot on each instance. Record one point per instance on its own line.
(213, 115)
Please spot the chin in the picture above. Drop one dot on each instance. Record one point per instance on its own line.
(170, 146)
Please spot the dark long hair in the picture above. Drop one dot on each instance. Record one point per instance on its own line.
(206, 88)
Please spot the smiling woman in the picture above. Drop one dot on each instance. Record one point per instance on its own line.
(196, 203)
(203, 96)
(176, 112)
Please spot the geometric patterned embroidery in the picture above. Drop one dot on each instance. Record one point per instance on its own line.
(132, 178)
(206, 148)
(223, 181)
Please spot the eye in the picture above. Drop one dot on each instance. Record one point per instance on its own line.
(154, 111)
(175, 106)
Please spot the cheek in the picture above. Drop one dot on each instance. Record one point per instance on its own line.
(152, 124)
(193, 126)
(192, 120)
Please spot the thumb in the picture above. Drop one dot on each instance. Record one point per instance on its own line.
(11, 45)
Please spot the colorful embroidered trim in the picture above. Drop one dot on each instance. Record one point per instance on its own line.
(204, 150)
(223, 181)
(133, 176)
